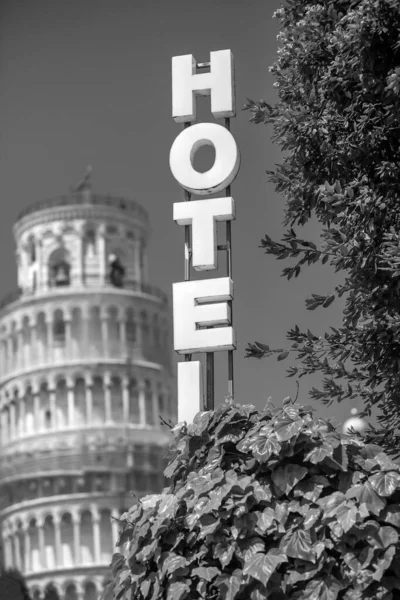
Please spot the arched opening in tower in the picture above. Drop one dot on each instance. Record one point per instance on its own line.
(59, 268)
(31, 248)
(116, 270)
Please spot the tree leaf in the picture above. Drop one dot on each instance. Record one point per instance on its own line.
(328, 301)
(263, 346)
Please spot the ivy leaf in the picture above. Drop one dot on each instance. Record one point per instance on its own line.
(311, 517)
(207, 573)
(347, 517)
(311, 488)
(330, 504)
(299, 545)
(108, 593)
(286, 428)
(303, 572)
(285, 478)
(173, 562)
(224, 552)
(177, 590)
(386, 483)
(145, 587)
(392, 515)
(264, 447)
(265, 519)
(318, 454)
(367, 495)
(324, 589)
(385, 462)
(250, 547)
(388, 536)
(262, 566)
(118, 561)
(230, 586)
(384, 563)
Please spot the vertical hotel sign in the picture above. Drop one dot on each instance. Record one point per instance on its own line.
(202, 309)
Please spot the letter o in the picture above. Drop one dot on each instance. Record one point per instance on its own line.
(226, 164)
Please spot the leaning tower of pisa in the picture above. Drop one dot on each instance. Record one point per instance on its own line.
(85, 372)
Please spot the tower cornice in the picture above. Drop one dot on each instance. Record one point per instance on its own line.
(64, 209)
(79, 200)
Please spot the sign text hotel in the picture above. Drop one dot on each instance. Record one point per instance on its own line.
(207, 302)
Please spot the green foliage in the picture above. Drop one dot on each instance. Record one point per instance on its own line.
(338, 117)
(265, 505)
(50, 592)
(13, 586)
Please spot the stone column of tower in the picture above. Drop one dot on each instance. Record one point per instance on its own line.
(85, 372)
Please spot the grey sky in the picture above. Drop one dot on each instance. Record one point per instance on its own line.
(90, 82)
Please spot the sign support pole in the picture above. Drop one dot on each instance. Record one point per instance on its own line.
(229, 273)
(188, 246)
(210, 377)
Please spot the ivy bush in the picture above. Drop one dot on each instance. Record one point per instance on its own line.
(269, 504)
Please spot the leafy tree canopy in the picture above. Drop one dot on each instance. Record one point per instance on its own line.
(338, 116)
(265, 505)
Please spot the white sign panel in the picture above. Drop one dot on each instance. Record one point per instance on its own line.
(226, 163)
(203, 215)
(190, 390)
(186, 84)
(204, 303)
